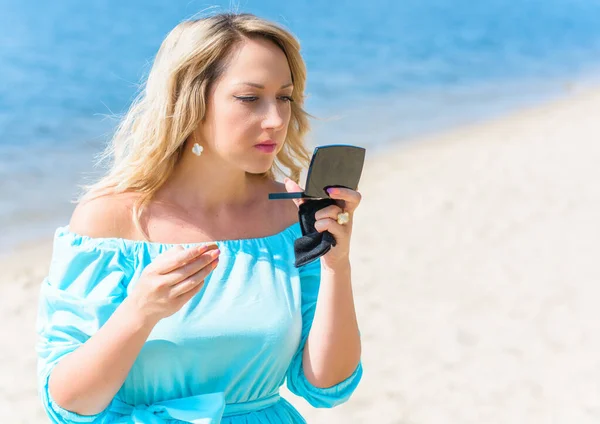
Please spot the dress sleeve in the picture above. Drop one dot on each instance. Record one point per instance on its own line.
(310, 278)
(85, 284)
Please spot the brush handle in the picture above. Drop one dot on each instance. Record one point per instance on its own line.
(277, 196)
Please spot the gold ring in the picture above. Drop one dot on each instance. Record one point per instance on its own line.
(343, 218)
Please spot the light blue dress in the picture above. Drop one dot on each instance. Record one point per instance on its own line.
(221, 358)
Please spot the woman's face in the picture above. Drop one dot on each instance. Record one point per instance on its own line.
(249, 107)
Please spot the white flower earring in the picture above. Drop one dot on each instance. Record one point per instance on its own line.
(197, 149)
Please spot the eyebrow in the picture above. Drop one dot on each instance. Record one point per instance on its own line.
(253, 84)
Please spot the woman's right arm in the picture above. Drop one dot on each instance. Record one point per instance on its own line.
(86, 380)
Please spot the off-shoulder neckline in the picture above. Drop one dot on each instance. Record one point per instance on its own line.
(65, 231)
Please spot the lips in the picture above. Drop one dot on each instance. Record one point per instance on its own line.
(266, 143)
(266, 147)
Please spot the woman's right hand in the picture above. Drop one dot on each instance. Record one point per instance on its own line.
(171, 280)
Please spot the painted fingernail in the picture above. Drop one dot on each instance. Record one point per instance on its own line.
(204, 247)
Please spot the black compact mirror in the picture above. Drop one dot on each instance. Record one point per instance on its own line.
(335, 165)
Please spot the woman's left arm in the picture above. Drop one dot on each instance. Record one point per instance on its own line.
(332, 351)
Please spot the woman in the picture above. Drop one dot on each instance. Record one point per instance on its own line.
(172, 295)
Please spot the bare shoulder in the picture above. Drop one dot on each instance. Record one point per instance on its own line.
(108, 215)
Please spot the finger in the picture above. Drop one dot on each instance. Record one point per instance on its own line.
(350, 197)
(193, 281)
(332, 226)
(328, 212)
(191, 268)
(184, 298)
(179, 256)
(292, 187)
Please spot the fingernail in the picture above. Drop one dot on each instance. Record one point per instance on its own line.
(204, 248)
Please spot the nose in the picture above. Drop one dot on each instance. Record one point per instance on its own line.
(274, 118)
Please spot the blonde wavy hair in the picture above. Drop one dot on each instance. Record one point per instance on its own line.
(171, 104)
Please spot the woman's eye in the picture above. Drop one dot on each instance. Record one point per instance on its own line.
(246, 98)
(250, 99)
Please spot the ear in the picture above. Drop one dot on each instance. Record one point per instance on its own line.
(292, 187)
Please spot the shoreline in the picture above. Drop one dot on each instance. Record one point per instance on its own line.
(474, 270)
(389, 138)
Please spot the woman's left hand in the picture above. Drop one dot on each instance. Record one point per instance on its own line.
(327, 220)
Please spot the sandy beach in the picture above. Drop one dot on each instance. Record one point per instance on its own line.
(476, 269)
